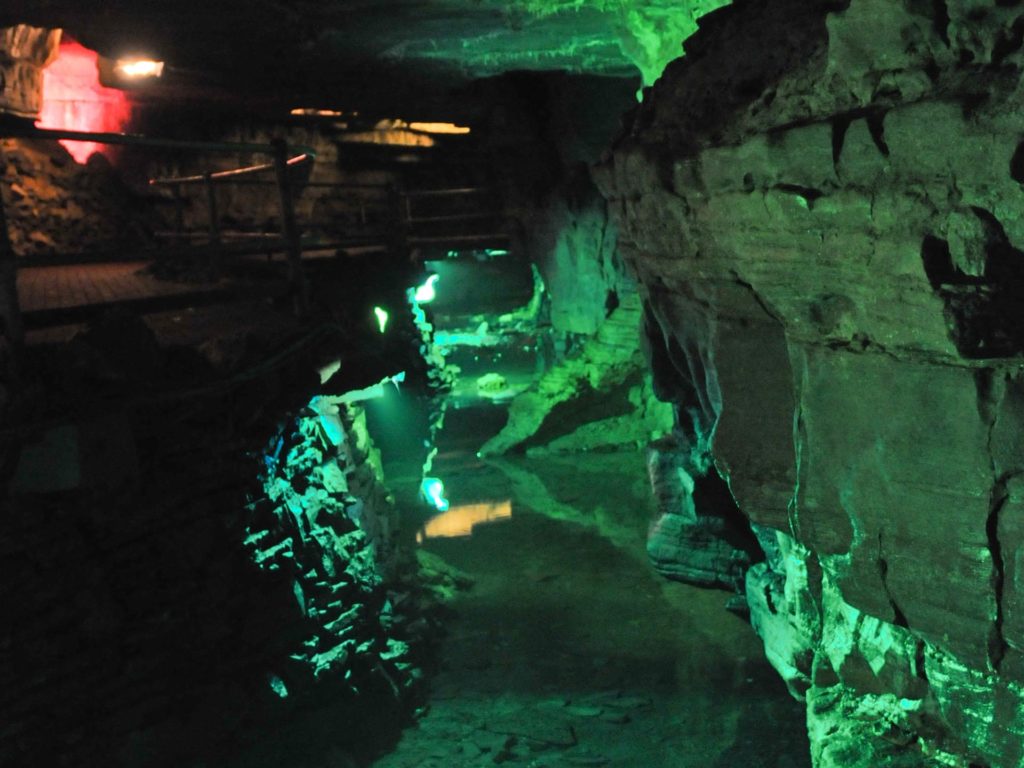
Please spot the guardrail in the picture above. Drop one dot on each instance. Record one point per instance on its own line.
(283, 158)
(401, 221)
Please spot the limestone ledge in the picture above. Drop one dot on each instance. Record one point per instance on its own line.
(877, 693)
(827, 233)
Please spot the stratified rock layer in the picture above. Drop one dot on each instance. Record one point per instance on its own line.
(822, 203)
(24, 52)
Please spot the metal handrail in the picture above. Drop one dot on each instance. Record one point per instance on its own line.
(232, 174)
(449, 192)
(136, 140)
(305, 184)
(278, 150)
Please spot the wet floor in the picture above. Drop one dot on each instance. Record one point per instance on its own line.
(569, 650)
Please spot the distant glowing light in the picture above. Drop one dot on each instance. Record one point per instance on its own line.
(329, 370)
(462, 519)
(426, 292)
(310, 112)
(138, 68)
(449, 128)
(277, 686)
(74, 99)
(382, 318)
(433, 491)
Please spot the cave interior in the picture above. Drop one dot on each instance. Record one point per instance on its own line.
(547, 382)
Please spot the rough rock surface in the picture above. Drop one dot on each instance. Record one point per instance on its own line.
(321, 51)
(151, 617)
(56, 206)
(24, 53)
(570, 408)
(699, 536)
(827, 232)
(324, 520)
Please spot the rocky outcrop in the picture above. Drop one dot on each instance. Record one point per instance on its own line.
(157, 616)
(24, 52)
(699, 536)
(325, 521)
(827, 233)
(56, 206)
(388, 56)
(598, 398)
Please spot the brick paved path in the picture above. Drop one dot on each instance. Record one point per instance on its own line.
(79, 285)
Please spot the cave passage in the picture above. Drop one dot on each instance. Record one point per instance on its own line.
(564, 646)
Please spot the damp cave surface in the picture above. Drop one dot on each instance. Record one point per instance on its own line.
(568, 649)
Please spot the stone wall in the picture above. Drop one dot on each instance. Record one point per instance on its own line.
(56, 206)
(327, 213)
(24, 53)
(822, 204)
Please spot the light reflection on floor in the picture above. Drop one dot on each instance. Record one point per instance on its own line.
(462, 519)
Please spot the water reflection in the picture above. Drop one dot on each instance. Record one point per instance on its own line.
(460, 519)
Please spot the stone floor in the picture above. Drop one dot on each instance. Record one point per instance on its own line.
(76, 285)
(570, 651)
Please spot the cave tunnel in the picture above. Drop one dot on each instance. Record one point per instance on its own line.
(626, 383)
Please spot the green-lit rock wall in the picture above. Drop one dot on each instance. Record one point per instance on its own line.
(324, 520)
(171, 597)
(822, 204)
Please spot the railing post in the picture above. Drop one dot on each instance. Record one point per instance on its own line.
(290, 229)
(9, 309)
(399, 235)
(214, 223)
(11, 332)
(179, 215)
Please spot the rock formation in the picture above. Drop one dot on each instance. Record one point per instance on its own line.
(24, 52)
(154, 617)
(821, 202)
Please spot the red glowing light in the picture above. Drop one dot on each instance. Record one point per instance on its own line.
(73, 99)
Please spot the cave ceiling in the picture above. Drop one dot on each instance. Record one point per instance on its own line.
(374, 52)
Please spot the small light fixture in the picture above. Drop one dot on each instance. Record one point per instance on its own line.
(433, 491)
(139, 68)
(448, 128)
(277, 686)
(426, 292)
(312, 112)
(382, 318)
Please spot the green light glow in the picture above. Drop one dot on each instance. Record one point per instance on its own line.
(426, 293)
(433, 491)
(277, 686)
(382, 318)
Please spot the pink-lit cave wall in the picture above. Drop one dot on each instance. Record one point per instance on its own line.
(74, 99)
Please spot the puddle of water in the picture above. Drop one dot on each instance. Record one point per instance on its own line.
(570, 650)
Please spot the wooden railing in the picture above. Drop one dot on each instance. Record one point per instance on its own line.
(282, 157)
(385, 216)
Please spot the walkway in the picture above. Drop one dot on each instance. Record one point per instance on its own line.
(60, 287)
(57, 300)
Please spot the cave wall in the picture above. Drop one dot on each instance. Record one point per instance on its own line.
(53, 204)
(24, 52)
(197, 560)
(541, 132)
(822, 204)
(57, 206)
